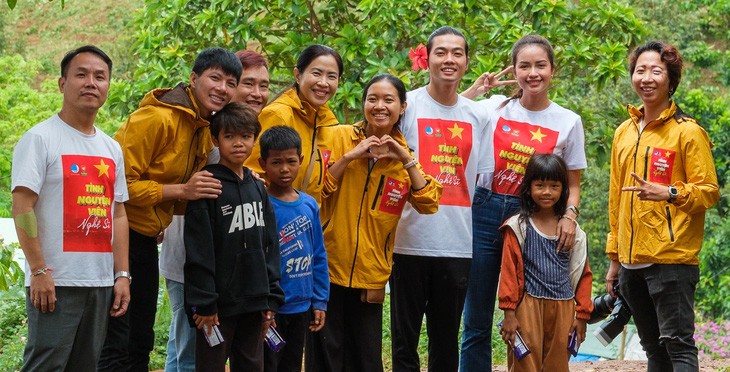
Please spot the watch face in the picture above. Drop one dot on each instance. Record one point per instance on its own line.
(673, 193)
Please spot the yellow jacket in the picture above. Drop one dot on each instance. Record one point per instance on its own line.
(164, 142)
(289, 110)
(671, 150)
(360, 212)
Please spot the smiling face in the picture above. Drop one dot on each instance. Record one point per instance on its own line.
(545, 193)
(318, 82)
(533, 70)
(650, 78)
(212, 90)
(447, 62)
(253, 89)
(382, 108)
(86, 84)
(235, 148)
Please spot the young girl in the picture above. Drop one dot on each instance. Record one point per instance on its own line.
(545, 292)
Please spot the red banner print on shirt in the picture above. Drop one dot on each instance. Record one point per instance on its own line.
(444, 149)
(660, 168)
(395, 193)
(514, 144)
(88, 194)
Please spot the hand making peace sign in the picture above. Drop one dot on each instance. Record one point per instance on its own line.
(486, 81)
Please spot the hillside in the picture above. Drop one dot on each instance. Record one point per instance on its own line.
(42, 30)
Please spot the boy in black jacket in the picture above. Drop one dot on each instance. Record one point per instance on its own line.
(232, 266)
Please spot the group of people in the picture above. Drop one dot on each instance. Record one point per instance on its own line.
(274, 215)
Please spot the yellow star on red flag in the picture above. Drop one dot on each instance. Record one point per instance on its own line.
(103, 168)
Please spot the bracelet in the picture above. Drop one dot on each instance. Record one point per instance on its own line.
(42, 271)
(410, 164)
(570, 218)
(573, 209)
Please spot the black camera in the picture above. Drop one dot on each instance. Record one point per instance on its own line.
(615, 309)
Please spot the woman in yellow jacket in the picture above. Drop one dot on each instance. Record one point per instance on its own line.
(371, 177)
(304, 108)
(662, 181)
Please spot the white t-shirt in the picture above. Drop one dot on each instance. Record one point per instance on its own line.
(172, 254)
(449, 143)
(77, 177)
(517, 133)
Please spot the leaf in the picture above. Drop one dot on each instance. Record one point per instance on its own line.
(11, 4)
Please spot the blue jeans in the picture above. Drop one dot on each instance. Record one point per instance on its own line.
(181, 344)
(489, 211)
(661, 299)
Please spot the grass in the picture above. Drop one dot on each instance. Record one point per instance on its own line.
(164, 315)
(42, 30)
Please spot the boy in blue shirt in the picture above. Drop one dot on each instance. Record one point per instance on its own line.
(304, 275)
(232, 253)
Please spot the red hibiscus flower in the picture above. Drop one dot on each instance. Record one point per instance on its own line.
(419, 58)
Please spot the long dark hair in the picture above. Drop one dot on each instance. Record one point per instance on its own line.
(396, 83)
(543, 167)
(517, 48)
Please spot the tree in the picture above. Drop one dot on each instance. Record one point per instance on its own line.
(375, 36)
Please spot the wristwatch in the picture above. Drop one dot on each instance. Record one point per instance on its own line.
(123, 274)
(673, 194)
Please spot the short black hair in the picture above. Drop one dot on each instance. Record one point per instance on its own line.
(218, 58)
(85, 49)
(279, 138)
(445, 30)
(237, 118)
(668, 54)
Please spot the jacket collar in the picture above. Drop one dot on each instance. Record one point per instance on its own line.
(304, 109)
(637, 113)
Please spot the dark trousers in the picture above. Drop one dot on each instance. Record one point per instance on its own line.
(69, 338)
(661, 299)
(292, 328)
(242, 344)
(436, 287)
(352, 337)
(130, 338)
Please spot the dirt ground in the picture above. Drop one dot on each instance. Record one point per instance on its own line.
(719, 365)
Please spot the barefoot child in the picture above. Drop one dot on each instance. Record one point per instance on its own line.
(545, 292)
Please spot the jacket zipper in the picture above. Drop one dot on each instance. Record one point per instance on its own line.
(631, 214)
(377, 193)
(357, 226)
(385, 248)
(669, 224)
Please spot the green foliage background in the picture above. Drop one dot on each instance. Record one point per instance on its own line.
(153, 44)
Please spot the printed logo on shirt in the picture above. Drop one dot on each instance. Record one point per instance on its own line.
(298, 267)
(245, 216)
(291, 231)
(662, 163)
(444, 150)
(514, 144)
(88, 194)
(395, 193)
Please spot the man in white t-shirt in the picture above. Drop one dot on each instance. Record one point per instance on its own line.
(68, 191)
(432, 253)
